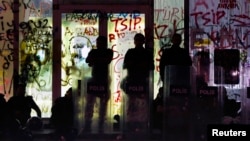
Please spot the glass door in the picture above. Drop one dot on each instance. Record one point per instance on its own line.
(78, 32)
(122, 28)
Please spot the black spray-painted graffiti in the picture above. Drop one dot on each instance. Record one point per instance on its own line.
(31, 31)
(5, 5)
(35, 49)
(7, 37)
(95, 14)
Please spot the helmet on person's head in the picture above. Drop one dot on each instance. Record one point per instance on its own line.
(35, 123)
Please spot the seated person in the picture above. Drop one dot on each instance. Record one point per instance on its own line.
(20, 106)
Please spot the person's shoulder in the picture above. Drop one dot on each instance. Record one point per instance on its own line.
(178, 50)
(59, 99)
(16, 98)
(10, 100)
(29, 98)
(109, 50)
(166, 50)
(62, 102)
(184, 51)
(130, 50)
(93, 50)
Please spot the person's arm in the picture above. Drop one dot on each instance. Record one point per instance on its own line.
(110, 56)
(89, 59)
(127, 60)
(35, 107)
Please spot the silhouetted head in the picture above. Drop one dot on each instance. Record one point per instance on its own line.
(21, 89)
(176, 39)
(69, 92)
(101, 42)
(35, 123)
(139, 39)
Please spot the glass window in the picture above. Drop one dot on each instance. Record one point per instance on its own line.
(121, 30)
(35, 51)
(6, 51)
(79, 33)
(168, 19)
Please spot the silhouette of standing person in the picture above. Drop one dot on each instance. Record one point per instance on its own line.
(20, 105)
(176, 109)
(138, 62)
(62, 117)
(175, 55)
(99, 60)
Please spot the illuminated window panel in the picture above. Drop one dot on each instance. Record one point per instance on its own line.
(36, 62)
(79, 33)
(121, 30)
(168, 19)
(6, 52)
(35, 52)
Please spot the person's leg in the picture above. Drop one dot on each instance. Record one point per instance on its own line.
(89, 111)
(102, 112)
(131, 113)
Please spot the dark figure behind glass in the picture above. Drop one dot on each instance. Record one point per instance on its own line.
(178, 61)
(174, 55)
(62, 117)
(139, 63)
(99, 60)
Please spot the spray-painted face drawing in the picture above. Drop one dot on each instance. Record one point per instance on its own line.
(79, 49)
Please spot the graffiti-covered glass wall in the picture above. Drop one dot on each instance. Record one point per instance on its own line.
(213, 25)
(219, 37)
(35, 51)
(218, 25)
(29, 23)
(221, 25)
(6, 49)
(168, 19)
(122, 28)
(79, 33)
